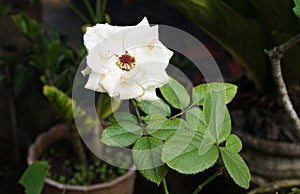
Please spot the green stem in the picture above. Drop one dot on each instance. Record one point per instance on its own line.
(133, 102)
(77, 12)
(184, 111)
(165, 186)
(78, 147)
(211, 178)
(90, 10)
(98, 10)
(103, 7)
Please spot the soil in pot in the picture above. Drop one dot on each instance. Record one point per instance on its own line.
(66, 169)
(54, 145)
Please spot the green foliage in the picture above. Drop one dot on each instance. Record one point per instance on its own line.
(155, 107)
(245, 29)
(175, 94)
(181, 152)
(49, 53)
(203, 90)
(147, 157)
(236, 167)
(163, 128)
(34, 176)
(234, 163)
(60, 101)
(97, 14)
(296, 9)
(121, 134)
(106, 106)
(188, 142)
(123, 116)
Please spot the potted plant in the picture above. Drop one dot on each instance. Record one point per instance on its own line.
(246, 29)
(54, 58)
(176, 131)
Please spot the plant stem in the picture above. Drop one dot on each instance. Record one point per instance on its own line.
(211, 178)
(184, 111)
(13, 116)
(133, 102)
(103, 7)
(90, 10)
(165, 186)
(77, 12)
(78, 147)
(98, 10)
(136, 109)
(275, 56)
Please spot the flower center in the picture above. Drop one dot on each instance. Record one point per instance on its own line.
(126, 62)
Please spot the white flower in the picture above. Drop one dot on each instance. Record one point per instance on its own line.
(126, 62)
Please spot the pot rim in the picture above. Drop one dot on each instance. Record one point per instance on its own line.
(41, 139)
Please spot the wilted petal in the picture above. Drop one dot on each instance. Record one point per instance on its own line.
(149, 94)
(129, 91)
(155, 54)
(93, 82)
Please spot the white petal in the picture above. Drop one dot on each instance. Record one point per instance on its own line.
(110, 80)
(150, 81)
(97, 62)
(86, 71)
(140, 36)
(93, 82)
(129, 91)
(144, 22)
(94, 35)
(118, 86)
(156, 54)
(149, 95)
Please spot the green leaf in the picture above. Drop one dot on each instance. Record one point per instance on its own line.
(296, 9)
(163, 128)
(218, 126)
(217, 118)
(234, 143)
(61, 102)
(175, 94)
(194, 116)
(106, 105)
(236, 167)
(202, 91)
(34, 176)
(29, 27)
(147, 157)
(121, 134)
(181, 151)
(155, 107)
(123, 116)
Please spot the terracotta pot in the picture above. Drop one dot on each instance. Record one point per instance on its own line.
(122, 185)
(270, 160)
